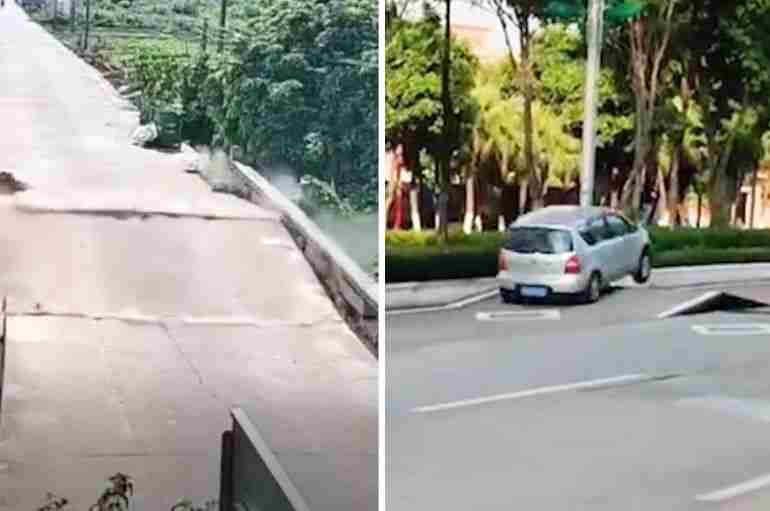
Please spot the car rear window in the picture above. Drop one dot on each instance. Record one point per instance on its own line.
(542, 240)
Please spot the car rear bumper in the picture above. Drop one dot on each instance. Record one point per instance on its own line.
(557, 284)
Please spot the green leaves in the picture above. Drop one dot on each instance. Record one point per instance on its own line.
(413, 87)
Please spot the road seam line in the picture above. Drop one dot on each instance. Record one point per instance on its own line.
(735, 490)
(539, 391)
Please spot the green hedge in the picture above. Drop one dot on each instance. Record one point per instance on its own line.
(421, 256)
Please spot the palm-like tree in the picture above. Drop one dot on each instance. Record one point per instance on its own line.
(499, 137)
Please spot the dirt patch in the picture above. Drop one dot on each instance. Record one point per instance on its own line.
(10, 185)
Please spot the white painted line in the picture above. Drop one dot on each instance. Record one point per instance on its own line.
(735, 491)
(689, 304)
(540, 391)
(520, 315)
(733, 329)
(452, 306)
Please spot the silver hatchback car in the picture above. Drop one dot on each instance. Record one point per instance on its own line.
(571, 250)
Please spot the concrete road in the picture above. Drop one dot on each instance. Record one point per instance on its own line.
(599, 407)
(143, 307)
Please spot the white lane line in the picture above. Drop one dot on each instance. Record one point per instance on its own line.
(626, 378)
(734, 491)
(520, 315)
(452, 306)
(733, 329)
(689, 304)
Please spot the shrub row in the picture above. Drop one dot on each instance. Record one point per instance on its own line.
(421, 256)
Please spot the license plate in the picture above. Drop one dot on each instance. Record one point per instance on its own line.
(533, 291)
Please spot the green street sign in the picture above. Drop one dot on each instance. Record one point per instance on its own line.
(565, 10)
(624, 11)
(617, 12)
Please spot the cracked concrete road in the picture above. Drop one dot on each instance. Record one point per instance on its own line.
(143, 306)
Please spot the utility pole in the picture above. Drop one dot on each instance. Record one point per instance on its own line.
(222, 26)
(594, 37)
(88, 25)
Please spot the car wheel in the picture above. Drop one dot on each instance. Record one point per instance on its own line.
(644, 270)
(593, 290)
(507, 296)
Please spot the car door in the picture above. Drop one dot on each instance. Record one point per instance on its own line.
(596, 235)
(624, 251)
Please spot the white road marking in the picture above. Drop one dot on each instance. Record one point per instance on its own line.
(733, 329)
(452, 306)
(689, 304)
(520, 315)
(627, 378)
(735, 491)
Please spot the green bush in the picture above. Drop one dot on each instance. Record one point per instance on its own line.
(414, 256)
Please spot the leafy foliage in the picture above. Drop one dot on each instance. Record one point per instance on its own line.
(413, 87)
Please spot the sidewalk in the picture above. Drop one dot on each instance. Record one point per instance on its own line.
(443, 293)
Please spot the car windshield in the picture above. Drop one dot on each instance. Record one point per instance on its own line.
(539, 240)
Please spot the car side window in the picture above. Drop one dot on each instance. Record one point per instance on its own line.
(618, 227)
(594, 232)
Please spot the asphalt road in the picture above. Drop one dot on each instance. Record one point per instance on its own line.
(599, 407)
(144, 307)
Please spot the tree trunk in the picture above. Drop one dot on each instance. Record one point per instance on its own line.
(523, 191)
(470, 204)
(673, 189)
(662, 205)
(529, 151)
(700, 209)
(632, 191)
(753, 196)
(414, 205)
(719, 201)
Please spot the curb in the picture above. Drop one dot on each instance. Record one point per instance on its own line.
(445, 306)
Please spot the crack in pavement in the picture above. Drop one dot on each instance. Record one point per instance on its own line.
(184, 356)
(165, 321)
(122, 214)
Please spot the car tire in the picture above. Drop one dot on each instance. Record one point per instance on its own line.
(644, 268)
(507, 296)
(593, 290)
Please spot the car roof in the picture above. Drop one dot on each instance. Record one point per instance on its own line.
(564, 216)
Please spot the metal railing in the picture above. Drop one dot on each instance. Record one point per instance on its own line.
(252, 478)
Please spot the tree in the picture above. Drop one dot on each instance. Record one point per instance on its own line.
(731, 77)
(650, 36)
(559, 56)
(521, 15)
(301, 90)
(414, 113)
(498, 137)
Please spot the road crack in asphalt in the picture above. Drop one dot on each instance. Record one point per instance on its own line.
(185, 357)
(224, 321)
(122, 214)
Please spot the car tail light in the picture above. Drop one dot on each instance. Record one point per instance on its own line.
(573, 265)
(502, 263)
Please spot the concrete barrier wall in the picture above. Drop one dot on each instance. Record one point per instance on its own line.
(253, 478)
(353, 290)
